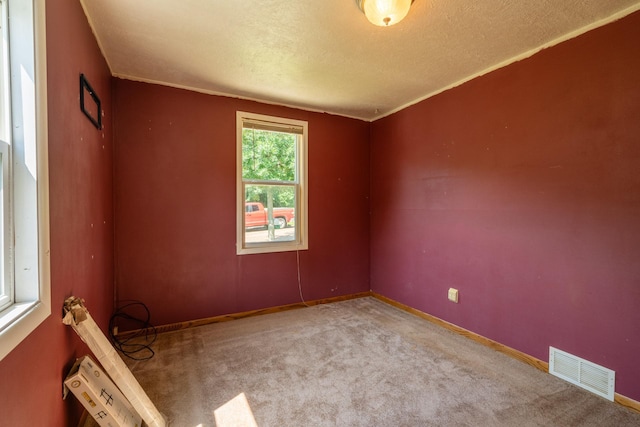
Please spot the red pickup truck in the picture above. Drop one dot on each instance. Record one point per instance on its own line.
(255, 215)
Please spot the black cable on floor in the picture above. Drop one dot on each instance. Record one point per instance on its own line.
(136, 346)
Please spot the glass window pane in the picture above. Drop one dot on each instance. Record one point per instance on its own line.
(4, 75)
(268, 155)
(270, 213)
(6, 297)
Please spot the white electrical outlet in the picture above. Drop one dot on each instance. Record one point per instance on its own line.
(453, 295)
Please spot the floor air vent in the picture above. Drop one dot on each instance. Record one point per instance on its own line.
(585, 374)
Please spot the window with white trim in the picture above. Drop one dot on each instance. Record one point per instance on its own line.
(25, 291)
(6, 290)
(271, 184)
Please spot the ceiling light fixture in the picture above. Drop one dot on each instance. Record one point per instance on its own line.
(385, 12)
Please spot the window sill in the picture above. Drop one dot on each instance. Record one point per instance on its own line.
(12, 314)
(18, 321)
(271, 247)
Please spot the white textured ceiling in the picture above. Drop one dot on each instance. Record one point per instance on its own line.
(324, 55)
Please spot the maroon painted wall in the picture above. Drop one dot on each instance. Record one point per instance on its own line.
(521, 189)
(81, 210)
(175, 191)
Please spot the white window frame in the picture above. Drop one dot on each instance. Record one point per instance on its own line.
(301, 240)
(6, 290)
(23, 129)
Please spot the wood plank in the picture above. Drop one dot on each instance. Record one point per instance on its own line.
(626, 401)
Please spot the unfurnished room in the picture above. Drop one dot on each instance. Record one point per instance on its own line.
(319, 213)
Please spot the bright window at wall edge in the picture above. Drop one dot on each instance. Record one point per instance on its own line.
(25, 290)
(271, 184)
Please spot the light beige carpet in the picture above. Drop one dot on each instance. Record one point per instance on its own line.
(354, 363)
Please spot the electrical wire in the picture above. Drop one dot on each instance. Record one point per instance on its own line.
(300, 281)
(141, 339)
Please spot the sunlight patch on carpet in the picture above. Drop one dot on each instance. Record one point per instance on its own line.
(235, 413)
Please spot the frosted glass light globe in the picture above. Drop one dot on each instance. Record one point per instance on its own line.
(385, 12)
